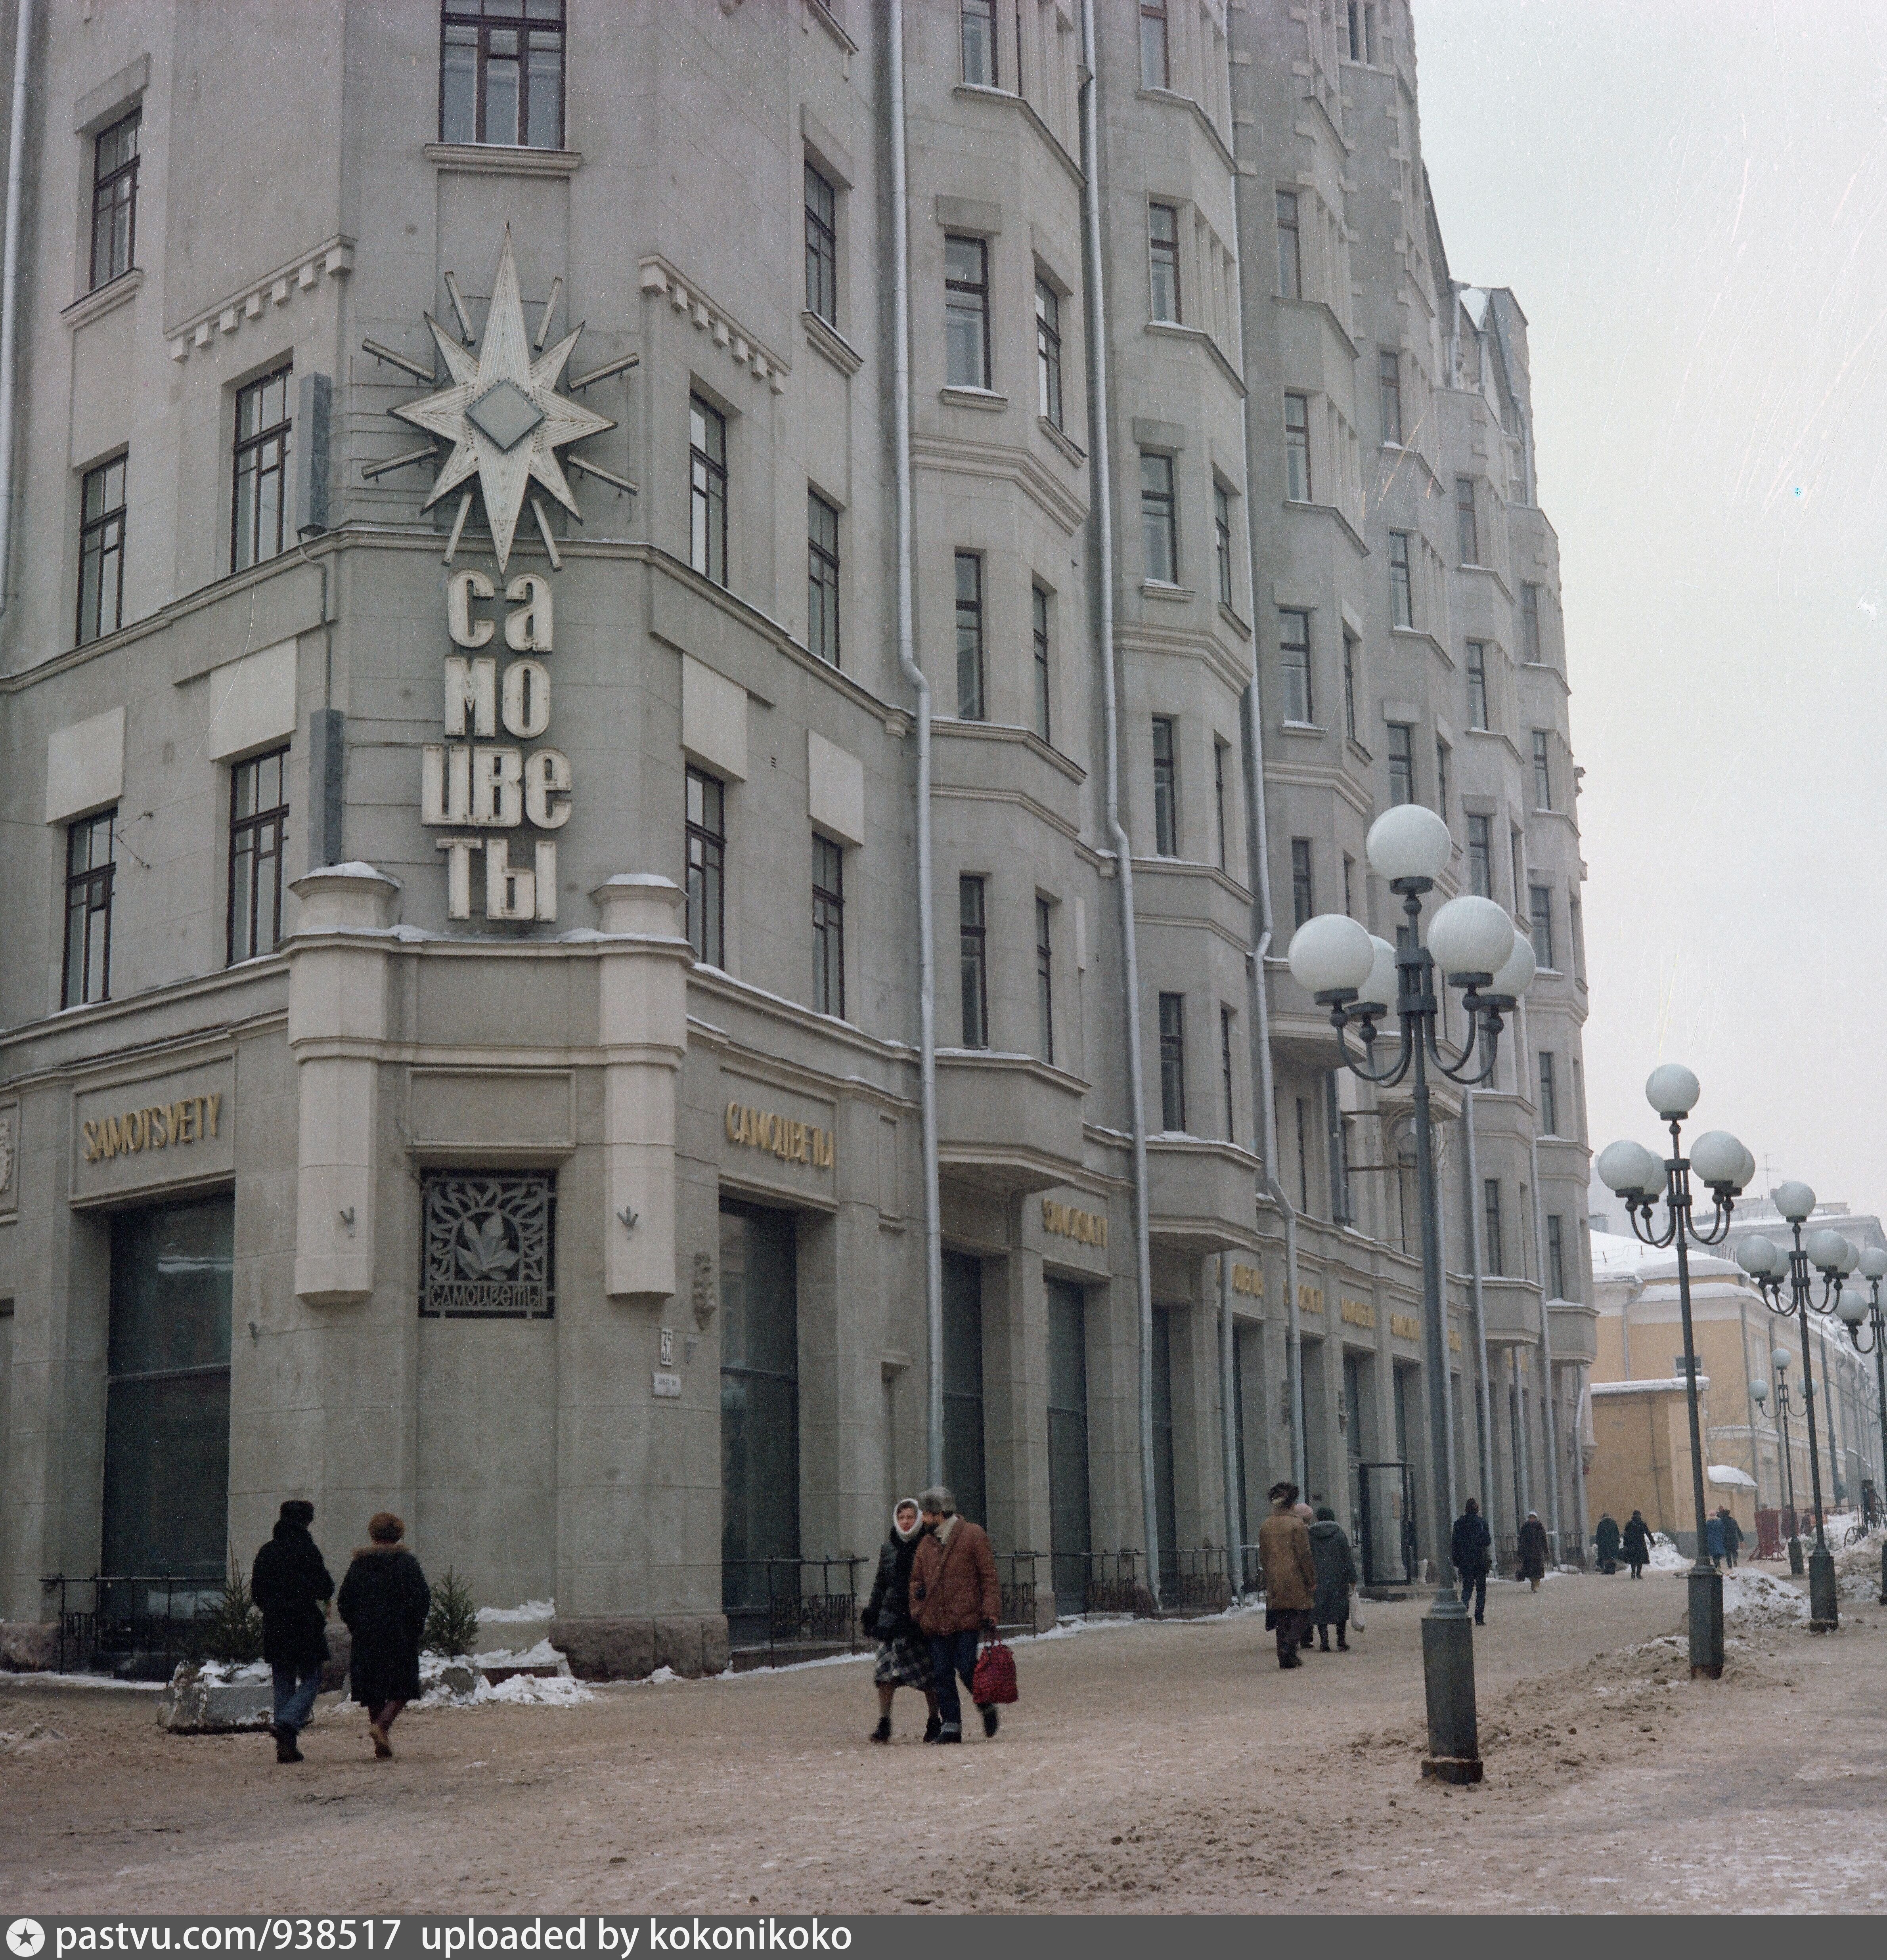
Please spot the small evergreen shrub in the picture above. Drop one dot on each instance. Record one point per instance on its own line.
(231, 1629)
(452, 1626)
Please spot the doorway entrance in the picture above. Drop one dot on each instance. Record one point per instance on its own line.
(759, 1417)
(963, 1385)
(1070, 1527)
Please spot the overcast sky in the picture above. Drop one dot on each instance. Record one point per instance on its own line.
(1688, 200)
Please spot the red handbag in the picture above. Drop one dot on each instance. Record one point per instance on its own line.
(994, 1679)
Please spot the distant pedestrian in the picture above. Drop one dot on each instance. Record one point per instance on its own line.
(1532, 1550)
(1308, 1639)
(384, 1600)
(1732, 1537)
(290, 1583)
(1637, 1542)
(1713, 1538)
(1336, 1573)
(1471, 1549)
(1606, 1539)
(1289, 1568)
(904, 1654)
(954, 1596)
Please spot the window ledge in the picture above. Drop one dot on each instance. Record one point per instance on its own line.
(1062, 441)
(1241, 627)
(1305, 728)
(1158, 588)
(107, 298)
(503, 160)
(986, 399)
(1356, 748)
(821, 334)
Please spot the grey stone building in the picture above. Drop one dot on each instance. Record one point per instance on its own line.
(599, 958)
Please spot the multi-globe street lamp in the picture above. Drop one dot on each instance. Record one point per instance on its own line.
(1854, 1312)
(1361, 978)
(1779, 1360)
(1642, 1179)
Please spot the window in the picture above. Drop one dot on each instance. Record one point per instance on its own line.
(1467, 534)
(707, 866)
(1163, 233)
(1490, 1195)
(967, 311)
(501, 73)
(262, 470)
(1530, 623)
(1575, 938)
(1542, 770)
(1039, 621)
(1549, 1097)
(1478, 684)
(1349, 874)
(101, 551)
(1227, 1021)
(89, 859)
(1219, 752)
(1578, 1101)
(258, 836)
(115, 199)
(1173, 1061)
(975, 968)
(1045, 979)
(1337, 1136)
(1222, 542)
(1158, 519)
(1401, 592)
(1402, 763)
(1481, 856)
(1293, 656)
(1349, 685)
(1165, 789)
(1048, 353)
(1303, 1159)
(708, 490)
(1388, 393)
(1297, 448)
(822, 578)
(1155, 70)
(1302, 895)
(822, 247)
(828, 927)
(1355, 38)
(979, 18)
(1513, 846)
(1555, 1256)
(1540, 907)
(969, 636)
(1441, 778)
(1290, 271)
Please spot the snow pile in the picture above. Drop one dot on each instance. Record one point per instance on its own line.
(530, 1609)
(219, 1672)
(1665, 1557)
(457, 1683)
(542, 1655)
(1753, 1598)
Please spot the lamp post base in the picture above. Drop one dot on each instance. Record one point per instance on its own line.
(1454, 1735)
(1707, 1621)
(1825, 1614)
(1795, 1562)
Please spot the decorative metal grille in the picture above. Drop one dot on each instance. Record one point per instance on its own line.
(489, 1247)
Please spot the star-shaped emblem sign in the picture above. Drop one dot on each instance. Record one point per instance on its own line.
(502, 414)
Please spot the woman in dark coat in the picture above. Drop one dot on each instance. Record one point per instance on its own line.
(904, 1654)
(1606, 1539)
(1532, 1550)
(1637, 1545)
(1336, 1573)
(384, 1600)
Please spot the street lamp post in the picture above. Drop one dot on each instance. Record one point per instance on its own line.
(1873, 1270)
(1641, 1179)
(1779, 1360)
(1363, 979)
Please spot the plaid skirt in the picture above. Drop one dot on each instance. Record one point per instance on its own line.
(904, 1662)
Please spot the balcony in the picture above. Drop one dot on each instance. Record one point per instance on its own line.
(1575, 1328)
(1007, 1123)
(1201, 1194)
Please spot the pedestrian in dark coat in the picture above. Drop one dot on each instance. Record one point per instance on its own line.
(1732, 1537)
(1606, 1539)
(1533, 1550)
(955, 1595)
(1713, 1538)
(385, 1600)
(1336, 1573)
(1471, 1549)
(290, 1583)
(1637, 1544)
(1291, 1574)
(904, 1654)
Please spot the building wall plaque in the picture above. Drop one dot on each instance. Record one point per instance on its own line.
(160, 1130)
(489, 1249)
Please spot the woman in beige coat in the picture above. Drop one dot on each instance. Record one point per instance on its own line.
(1291, 1574)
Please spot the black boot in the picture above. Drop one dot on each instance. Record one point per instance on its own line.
(932, 1727)
(285, 1749)
(990, 1718)
(1323, 1639)
(883, 1732)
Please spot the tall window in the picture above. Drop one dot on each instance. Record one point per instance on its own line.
(1227, 1021)
(101, 551)
(1481, 856)
(501, 73)
(1530, 623)
(707, 866)
(1038, 635)
(1555, 1256)
(969, 636)
(1165, 789)
(1402, 592)
(828, 927)
(1402, 763)
(1513, 846)
(1355, 37)
(822, 578)
(258, 838)
(1156, 69)
(1542, 770)
(1549, 1097)
(1220, 750)
(1045, 979)
(89, 859)
(257, 525)
(1349, 684)
(1163, 234)
(1293, 661)
(1575, 938)
(1478, 684)
(1159, 519)
(1222, 542)
(822, 247)
(1048, 353)
(1173, 1061)
(1578, 1101)
(971, 939)
(1441, 778)
(1467, 533)
(966, 312)
(1539, 899)
(1490, 1198)
(1349, 879)
(979, 19)
(708, 490)
(1388, 393)
(1291, 265)
(1303, 898)
(115, 199)
(1297, 448)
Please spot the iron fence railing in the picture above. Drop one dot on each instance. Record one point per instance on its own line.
(1198, 1579)
(1251, 1572)
(1112, 1583)
(770, 1605)
(1018, 1571)
(158, 1617)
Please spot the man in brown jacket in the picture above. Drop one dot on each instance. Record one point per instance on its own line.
(1291, 1574)
(954, 1596)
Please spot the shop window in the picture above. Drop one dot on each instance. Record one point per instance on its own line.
(1166, 1505)
(1070, 1537)
(501, 73)
(488, 1249)
(963, 1470)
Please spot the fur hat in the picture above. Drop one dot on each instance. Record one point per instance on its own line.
(384, 1528)
(939, 1498)
(297, 1511)
(1326, 1514)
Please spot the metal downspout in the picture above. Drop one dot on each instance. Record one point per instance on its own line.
(913, 673)
(10, 287)
(1117, 835)
(1546, 1319)
(1477, 1300)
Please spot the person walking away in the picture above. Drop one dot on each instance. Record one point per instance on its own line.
(1637, 1545)
(290, 1585)
(1713, 1538)
(1289, 1570)
(1302, 1510)
(1605, 1539)
(954, 1596)
(1471, 1548)
(904, 1654)
(384, 1600)
(1732, 1536)
(1533, 1550)
(1336, 1573)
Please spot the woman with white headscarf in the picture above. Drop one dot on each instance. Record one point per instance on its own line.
(904, 1654)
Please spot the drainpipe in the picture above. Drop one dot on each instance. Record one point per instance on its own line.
(10, 286)
(913, 673)
(1116, 832)
(1476, 1298)
(1546, 1322)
